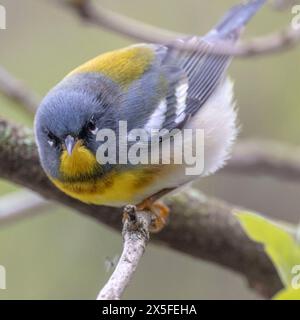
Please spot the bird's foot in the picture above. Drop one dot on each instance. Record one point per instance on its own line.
(160, 213)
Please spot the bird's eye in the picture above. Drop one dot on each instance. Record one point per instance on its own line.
(52, 139)
(91, 126)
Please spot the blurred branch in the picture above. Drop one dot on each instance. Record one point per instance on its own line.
(118, 23)
(135, 237)
(275, 42)
(18, 205)
(199, 226)
(283, 4)
(249, 158)
(265, 158)
(15, 90)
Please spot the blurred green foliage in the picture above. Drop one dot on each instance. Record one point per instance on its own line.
(282, 245)
(288, 294)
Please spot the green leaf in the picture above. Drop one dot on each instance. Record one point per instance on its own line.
(279, 242)
(288, 294)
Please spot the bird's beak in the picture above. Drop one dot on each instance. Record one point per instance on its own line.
(70, 143)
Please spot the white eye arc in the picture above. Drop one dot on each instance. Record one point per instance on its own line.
(95, 131)
(91, 126)
(51, 143)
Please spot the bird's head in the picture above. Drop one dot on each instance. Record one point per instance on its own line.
(66, 127)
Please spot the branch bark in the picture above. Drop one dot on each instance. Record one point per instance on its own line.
(19, 205)
(135, 237)
(276, 42)
(16, 91)
(199, 226)
(265, 158)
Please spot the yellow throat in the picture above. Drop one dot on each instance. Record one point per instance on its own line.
(84, 181)
(81, 162)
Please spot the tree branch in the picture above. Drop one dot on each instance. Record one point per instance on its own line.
(19, 205)
(273, 43)
(15, 90)
(199, 226)
(118, 23)
(135, 237)
(265, 158)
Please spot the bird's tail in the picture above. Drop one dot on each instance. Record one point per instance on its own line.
(234, 20)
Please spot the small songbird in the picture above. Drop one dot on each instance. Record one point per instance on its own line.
(149, 86)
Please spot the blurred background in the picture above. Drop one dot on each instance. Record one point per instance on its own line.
(59, 254)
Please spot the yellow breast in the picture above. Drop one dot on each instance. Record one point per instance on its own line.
(115, 189)
(84, 181)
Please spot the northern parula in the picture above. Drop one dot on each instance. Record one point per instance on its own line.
(149, 86)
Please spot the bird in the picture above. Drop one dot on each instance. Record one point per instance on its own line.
(151, 87)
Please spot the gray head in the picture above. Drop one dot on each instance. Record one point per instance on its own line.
(73, 111)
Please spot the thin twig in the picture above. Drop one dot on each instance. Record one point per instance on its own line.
(118, 23)
(19, 205)
(283, 4)
(135, 238)
(15, 90)
(265, 158)
(272, 43)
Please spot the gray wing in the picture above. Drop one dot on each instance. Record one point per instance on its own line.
(180, 82)
(206, 70)
(173, 89)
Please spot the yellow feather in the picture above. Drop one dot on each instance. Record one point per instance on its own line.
(115, 188)
(80, 162)
(122, 66)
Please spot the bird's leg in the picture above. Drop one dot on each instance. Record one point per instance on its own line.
(159, 210)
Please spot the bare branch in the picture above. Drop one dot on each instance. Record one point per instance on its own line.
(118, 23)
(19, 205)
(135, 237)
(283, 4)
(273, 43)
(199, 226)
(15, 90)
(265, 158)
